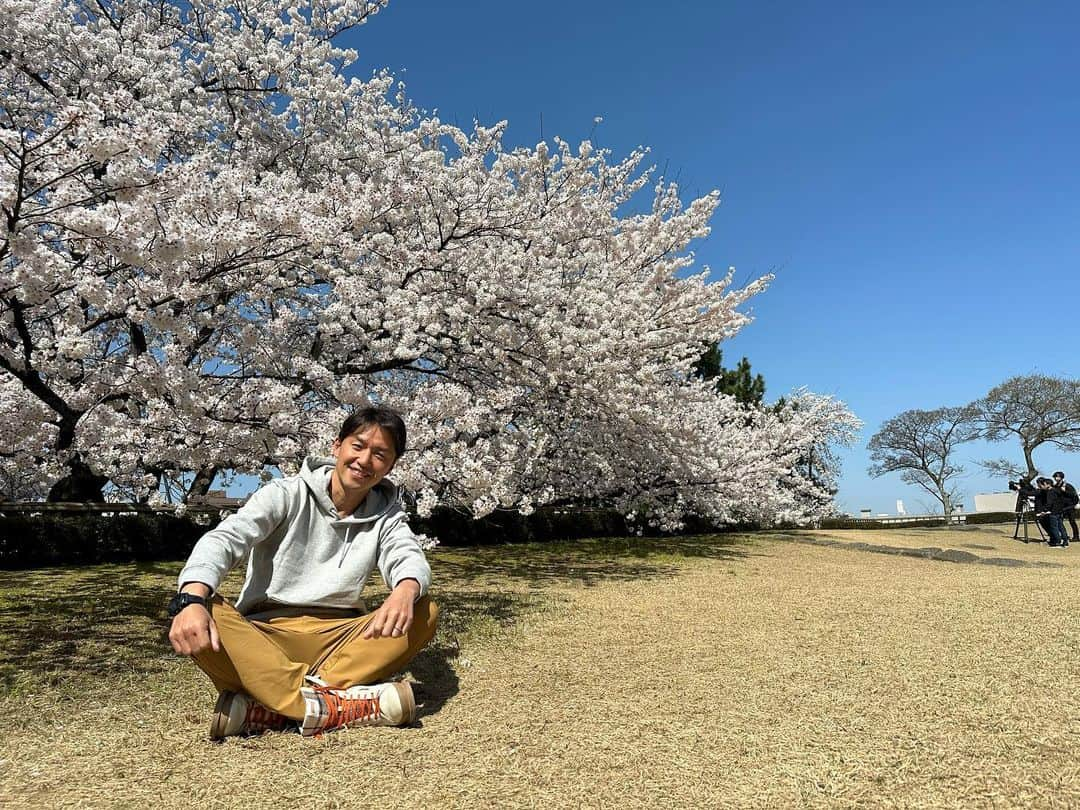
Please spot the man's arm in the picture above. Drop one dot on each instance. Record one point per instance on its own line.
(395, 615)
(220, 549)
(193, 629)
(400, 556)
(405, 570)
(217, 552)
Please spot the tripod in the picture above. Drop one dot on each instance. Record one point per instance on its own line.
(1025, 516)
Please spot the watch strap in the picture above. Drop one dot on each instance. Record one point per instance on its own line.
(182, 600)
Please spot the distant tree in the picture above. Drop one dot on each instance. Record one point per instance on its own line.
(1036, 409)
(738, 382)
(919, 445)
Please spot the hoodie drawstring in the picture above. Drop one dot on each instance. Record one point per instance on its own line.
(345, 546)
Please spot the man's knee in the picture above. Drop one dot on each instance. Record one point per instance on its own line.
(426, 615)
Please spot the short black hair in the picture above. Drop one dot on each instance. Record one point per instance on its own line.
(1042, 479)
(1059, 474)
(386, 418)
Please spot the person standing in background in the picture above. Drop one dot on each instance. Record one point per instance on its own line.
(1071, 497)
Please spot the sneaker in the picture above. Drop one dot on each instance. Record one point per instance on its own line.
(381, 704)
(238, 714)
(1054, 545)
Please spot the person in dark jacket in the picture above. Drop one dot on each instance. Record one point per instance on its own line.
(1070, 511)
(1050, 503)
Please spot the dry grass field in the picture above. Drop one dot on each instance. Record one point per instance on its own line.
(801, 669)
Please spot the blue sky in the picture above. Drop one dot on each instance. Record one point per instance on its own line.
(910, 173)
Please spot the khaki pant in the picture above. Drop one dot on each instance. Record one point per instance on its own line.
(267, 657)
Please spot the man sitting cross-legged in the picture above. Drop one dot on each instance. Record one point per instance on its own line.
(297, 647)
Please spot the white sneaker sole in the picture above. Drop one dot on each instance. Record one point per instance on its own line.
(407, 701)
(219, 725)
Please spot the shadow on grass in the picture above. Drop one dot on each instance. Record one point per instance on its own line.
(587, 562)
(478, 587)
(84, 624)
(435, 680)
(59, 623)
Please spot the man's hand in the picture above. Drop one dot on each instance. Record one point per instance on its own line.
(193, 630)
(394, 616)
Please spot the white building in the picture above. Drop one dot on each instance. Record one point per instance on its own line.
(995, 502)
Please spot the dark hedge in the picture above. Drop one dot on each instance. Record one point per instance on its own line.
(454, 528)
(53, 538)
(30, 541)
(970, 519)
(870, 523)
(990, 517)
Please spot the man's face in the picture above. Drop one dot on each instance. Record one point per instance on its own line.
(1044, 485)
(363, 459)
(1058, 479)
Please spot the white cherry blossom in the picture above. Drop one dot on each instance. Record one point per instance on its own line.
(217, 241)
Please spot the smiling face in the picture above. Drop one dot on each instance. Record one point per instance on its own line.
(363, 459)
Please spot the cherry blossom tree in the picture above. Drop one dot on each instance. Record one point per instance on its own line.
(218, 242)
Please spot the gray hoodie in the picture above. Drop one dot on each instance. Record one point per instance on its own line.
(301, 553)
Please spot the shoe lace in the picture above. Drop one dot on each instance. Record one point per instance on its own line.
(341, 710)
(260, 717)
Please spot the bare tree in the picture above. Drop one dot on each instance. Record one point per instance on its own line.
(1004, 468)
(919, 445)
(1036, 409)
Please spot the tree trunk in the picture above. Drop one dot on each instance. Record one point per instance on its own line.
(946, 504)
(1031, 470)
(157, 472)
(81, 485)
(204, 478)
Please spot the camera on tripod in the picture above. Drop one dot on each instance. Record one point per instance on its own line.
(1025, 506)
(1025, 492)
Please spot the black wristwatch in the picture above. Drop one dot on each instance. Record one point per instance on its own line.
(182, 600)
